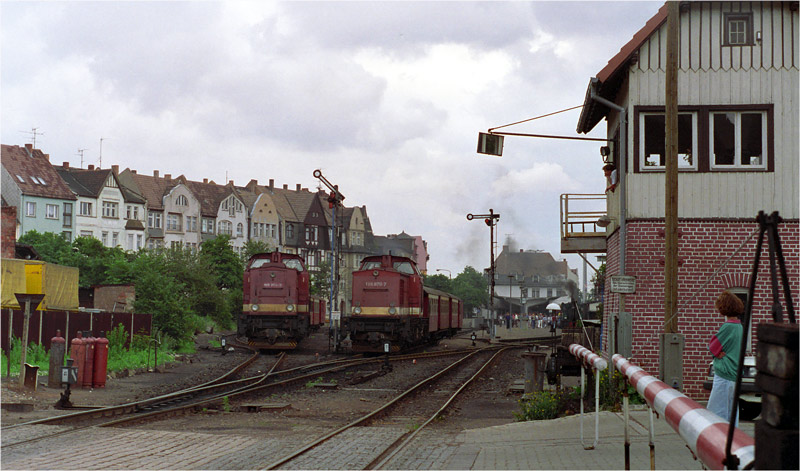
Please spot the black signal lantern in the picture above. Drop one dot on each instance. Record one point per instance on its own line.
(488, 221)
(331, 200)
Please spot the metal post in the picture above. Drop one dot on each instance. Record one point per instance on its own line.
(25, 326)
(490, 221)
(652, 440)
(330, 295)
(10, 337)
(627, 423)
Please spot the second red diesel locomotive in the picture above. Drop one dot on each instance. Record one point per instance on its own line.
(390, 304)
(278, 310)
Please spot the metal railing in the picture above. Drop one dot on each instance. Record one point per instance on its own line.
(579, 215)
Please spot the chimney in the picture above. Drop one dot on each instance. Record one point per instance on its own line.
(29, 148)
(298, 187)
(230, 182)
(133, 172)
(91, 167)
(272, 183)
(253, 182)
(155, 173)
(285, 186)
(168, 176)
(205, 180)
(505, 248)
(521, 251)
(47, 156)
(65, 164)
(305, 189)
(115, 169)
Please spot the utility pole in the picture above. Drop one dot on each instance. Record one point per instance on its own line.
(671, 351)
(491, 221)
(100, 161)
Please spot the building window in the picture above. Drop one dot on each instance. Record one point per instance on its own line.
(738, 139)
(104, 238)
(191, 223)
(652, 147)
(30, 209)
(51, 211)
(110, 209)
(240, 230)
(311, 235)
(174, 222)
(67, 235)
(549, 292)
(87, 234)
(114, 239)
(111, 182)
(138, 241)
(289, 231)
(132, 212)
(207, 226)
(181, 201)
(738, 29)
(154, 220)
(225, 227)
(85, 208)
(68, 215)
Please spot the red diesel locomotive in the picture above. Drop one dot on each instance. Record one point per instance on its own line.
(390, 304)
(278, 311)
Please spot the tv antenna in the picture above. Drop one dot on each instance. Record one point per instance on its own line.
(33, 133)
(100, 161)
(80, 152)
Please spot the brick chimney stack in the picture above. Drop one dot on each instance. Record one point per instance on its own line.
(298, 187)
(168, 176)
(155, 173)
(47, 156)
(29, 148)
(91, 167)
(285, 186)
(115, 169)
(205, 180)
(65, 165)
(9, 231)
(272, 183)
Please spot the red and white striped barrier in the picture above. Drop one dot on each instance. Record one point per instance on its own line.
(587, 357)
(701, 429)
(598, 363)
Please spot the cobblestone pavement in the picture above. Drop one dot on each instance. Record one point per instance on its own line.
(552, 444)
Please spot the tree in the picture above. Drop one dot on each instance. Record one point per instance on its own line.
(252, 247)
(321, 280)
(471, 287)
(51, 247)
(439, 282)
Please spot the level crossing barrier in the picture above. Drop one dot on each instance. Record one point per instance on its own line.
(703, 431)
(597, 363)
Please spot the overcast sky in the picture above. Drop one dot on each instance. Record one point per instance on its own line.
(387, 99)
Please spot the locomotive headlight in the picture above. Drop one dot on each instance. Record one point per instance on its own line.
(290, 307)
(357, 310)
(392, 310)
(254, 307)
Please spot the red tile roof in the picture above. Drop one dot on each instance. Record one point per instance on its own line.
(33, 173)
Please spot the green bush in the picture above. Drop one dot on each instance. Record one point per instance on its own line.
(540, 405)
(36, 355)
(611, 397)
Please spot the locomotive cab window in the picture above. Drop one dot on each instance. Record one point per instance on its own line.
(370, 265)
(405, 267)
(293, 263)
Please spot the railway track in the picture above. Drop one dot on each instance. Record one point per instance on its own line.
(388, 452)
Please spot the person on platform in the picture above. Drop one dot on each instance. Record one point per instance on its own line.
(725, 346)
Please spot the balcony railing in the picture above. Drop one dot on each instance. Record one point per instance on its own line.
(580, 231)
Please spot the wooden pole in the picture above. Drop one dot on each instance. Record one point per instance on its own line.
(671, 170)
(25, 325)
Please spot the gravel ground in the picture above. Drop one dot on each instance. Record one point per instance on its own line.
(300, 409)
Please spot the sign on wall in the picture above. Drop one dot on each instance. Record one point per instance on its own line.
(623, 284)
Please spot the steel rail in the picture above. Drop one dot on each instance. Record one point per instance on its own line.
(408, 438)
(372, 414)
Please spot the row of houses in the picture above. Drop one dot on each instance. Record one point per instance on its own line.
(134, 211)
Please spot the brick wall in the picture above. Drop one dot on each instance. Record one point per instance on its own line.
(8, 228)
(704, 246)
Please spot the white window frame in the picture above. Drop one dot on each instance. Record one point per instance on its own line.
(30, 209)
(681, 157)
(154, 220)
(738, 141)
(110, 209)
(173, 222)
(181, 200)
(51, 211)
(85, 208)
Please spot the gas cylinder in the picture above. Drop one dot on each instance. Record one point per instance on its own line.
(57, 348)
(77, 352)
(89, 360)
(100, 361)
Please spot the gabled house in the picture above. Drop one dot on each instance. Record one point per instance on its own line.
(105, 210)
(30, 183)
(527, 280)
(232, 216)
(263, 216)
(738, 153)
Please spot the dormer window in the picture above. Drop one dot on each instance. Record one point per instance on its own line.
(181, 200)
(738, 29)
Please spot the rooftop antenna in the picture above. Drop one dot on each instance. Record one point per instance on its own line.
(34, 132)
(80, 152)
(100, 161)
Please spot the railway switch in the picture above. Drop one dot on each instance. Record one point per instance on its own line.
(69, 376)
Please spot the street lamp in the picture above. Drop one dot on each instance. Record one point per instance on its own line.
(491, 221)
(449, 274)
